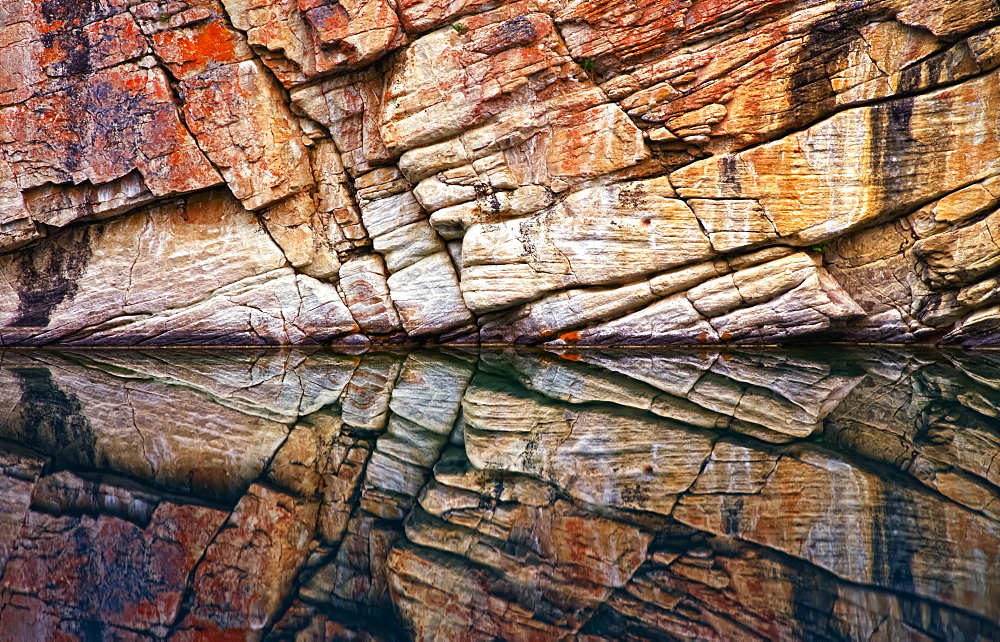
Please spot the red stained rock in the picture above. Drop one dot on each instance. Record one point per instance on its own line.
(125, 119)
(445, 84)
(240, 119)
(249, 567)
(19, 471)
(200, 42)
(82, 105)
(422, 15)
(305, 39)
(27, 618)
(114, 41)
(776, 122)
(107, 569)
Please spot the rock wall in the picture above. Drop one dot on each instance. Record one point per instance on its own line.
(541, 171)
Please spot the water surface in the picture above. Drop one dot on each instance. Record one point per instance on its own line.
(747, 494)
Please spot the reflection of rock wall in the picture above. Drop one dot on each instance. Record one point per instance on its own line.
(750, 494)
(566, 171)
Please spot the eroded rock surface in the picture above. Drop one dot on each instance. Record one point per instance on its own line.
(567, 171)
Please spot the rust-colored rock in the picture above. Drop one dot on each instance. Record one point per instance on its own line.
(566, 172)
(304, 39)
(90, 557)
(250, 565)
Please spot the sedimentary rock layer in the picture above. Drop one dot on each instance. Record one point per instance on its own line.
(568, 171)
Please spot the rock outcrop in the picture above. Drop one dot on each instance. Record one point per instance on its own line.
(598, 495)
(565, 171)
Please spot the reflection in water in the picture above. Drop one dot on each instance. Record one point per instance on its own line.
(750, 494)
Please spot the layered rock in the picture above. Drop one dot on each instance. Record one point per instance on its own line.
(465, 172)
(229, 284)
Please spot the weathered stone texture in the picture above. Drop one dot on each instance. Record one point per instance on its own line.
(856, 167)
(249, 566)
(305, 40)
(85, 552)
(107, 284)
(574, 171)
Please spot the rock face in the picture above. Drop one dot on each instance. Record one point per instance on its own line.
(598, 495)
(567, 171)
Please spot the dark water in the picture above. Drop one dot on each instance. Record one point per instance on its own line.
(751, 494)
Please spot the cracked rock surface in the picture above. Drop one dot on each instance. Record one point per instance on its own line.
(519, 494)
(265, 172)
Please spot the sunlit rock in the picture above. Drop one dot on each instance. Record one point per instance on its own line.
(599, 236)
(810, 187)
(523, 171)
(303, 40)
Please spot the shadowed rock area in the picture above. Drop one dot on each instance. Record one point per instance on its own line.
(520, 494)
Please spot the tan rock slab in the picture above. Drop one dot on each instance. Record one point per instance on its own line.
(830, 178)
(596, 236)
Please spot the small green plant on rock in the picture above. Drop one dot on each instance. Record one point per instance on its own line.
(587, 63)
(818, 248)
(461, 29)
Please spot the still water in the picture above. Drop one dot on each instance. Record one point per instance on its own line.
(454, 495)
